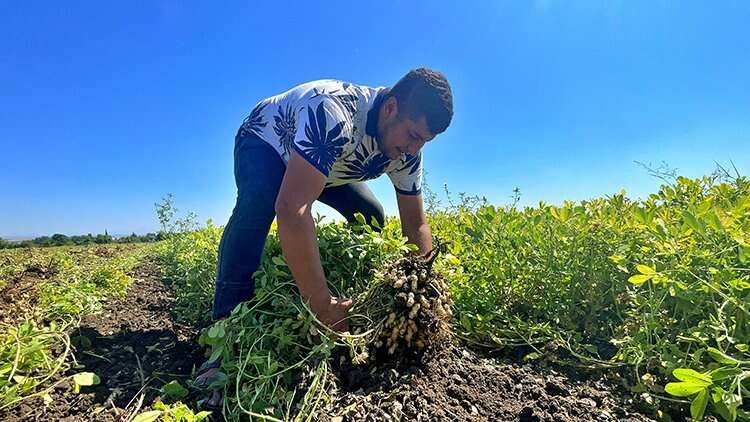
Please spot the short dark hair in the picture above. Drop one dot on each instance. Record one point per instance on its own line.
(425, 92)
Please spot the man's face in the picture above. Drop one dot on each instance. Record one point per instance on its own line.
(399, 134)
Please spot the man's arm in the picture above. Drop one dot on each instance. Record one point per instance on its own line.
(414, 222)
(301, 186)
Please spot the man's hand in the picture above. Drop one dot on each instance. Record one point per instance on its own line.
(332, 311)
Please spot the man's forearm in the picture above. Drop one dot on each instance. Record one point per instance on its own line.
(300, 248)
(421, 236)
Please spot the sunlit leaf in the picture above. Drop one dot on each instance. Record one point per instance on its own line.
(683, 389)
(149, 416)
(85, 379)
(691, 221)
(640, 278)
(645, 269)
(698, 405)
(689, 375)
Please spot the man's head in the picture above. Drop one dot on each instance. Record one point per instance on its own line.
(416, 109)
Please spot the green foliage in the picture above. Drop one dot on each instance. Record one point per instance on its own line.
(189, 262)
(177, 412)
(74, 283)
(81, 282)
(658, 284)
(265, 343)
(29, 356)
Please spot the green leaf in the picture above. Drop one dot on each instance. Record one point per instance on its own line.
(216, 330)
(645, 269)
(149, 416)
(744, 254)
(683, 389)
(616, 258)
(84, 379)
(741, 347)
(726, 403)
(216, 353)
(691, 376)
(451, 259)
(640, 278)
(220, 380)
(713, 220)
(725, 372)
(278, 261)
(698, 406)
(202, 415)
(743, 415)
(722, 357)
(640, 215)
(532, 356)
(174, 389)
(691, 221)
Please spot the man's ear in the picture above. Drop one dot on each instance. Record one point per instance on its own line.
(391, 107)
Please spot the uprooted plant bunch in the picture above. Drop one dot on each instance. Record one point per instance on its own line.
(407, 307)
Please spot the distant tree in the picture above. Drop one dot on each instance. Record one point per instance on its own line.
(60, 239)
(42, 241)
(86, 239)
(102, 239)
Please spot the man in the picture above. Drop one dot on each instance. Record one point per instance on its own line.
(321, 141)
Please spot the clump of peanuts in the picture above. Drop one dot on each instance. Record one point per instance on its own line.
(421, 307)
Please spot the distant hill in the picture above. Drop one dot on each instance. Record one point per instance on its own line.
(17, 238)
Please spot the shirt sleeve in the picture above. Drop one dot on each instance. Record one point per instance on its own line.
(407, 178)
(322, 131)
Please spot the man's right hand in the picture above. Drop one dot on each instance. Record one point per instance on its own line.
(332, 311)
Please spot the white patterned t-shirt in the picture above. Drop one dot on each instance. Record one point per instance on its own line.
(333, 125)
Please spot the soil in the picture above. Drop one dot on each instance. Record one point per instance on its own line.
(451, 383)
(18, 298)
(135, 346)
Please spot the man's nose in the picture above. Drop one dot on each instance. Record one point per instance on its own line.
(413, 148)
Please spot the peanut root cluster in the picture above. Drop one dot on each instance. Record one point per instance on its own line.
(421, 306)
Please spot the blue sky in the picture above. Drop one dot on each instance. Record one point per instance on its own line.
(108, 106)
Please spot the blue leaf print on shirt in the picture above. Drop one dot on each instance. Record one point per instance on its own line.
(286, 127)
(411, 162)
(322, 146)
(254, 122)
(346, 101)
(365, 166)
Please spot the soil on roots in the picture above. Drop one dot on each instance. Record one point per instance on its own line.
(451, 383)
(135, 346)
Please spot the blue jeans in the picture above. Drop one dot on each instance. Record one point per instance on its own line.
(258, 172)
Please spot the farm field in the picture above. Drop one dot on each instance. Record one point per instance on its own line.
(607, 309)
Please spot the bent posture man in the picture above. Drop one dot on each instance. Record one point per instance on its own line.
(321, 141)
